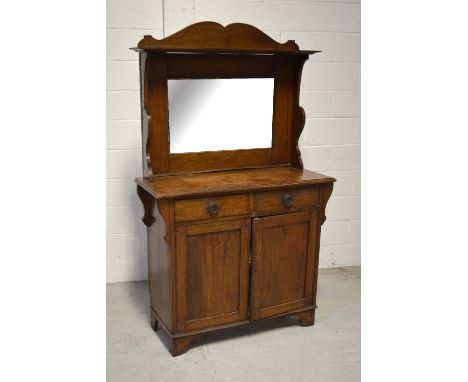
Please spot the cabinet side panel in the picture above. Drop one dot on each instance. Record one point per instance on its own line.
(159, 271)
(313, 257)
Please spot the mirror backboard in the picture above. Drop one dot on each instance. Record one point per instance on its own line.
(220, 114)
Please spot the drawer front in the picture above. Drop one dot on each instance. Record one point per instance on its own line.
(286, 200)
(212, 207)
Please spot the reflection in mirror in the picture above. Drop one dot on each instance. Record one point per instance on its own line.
(220, 114)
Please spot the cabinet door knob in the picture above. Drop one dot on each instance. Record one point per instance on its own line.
(213, 208)
(288, 200)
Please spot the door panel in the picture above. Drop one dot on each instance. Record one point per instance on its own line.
(284, 263)
(212, 273)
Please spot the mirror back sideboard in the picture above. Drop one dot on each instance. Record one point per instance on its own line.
(233, 234)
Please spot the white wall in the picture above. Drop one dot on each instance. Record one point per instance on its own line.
(330, 95)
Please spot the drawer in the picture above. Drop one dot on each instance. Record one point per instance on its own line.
(211, 207)
(286, 200)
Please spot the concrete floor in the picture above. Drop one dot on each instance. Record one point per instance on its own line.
(272, 350)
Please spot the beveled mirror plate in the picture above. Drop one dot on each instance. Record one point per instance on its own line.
(220, 114)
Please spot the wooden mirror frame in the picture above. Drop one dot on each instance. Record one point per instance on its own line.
(207, 50)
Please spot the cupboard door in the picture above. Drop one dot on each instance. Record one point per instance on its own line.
(284, 263)
(212, 267)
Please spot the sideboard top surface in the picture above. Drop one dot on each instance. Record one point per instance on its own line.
(225, 182)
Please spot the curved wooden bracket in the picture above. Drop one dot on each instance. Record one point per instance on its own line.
(299, 122)
(326, 191)
(210, 35)
(145, 119)
(298, 118)
(163, 212)
(164, 209)
(146, 138)
(148, 201)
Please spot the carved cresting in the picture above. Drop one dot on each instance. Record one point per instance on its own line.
(210, 35)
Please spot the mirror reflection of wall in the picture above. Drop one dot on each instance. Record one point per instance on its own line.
(220, 114)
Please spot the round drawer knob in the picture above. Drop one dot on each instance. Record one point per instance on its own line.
(287, 200)
(213, 208)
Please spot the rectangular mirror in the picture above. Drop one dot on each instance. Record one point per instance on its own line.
(220, 114)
